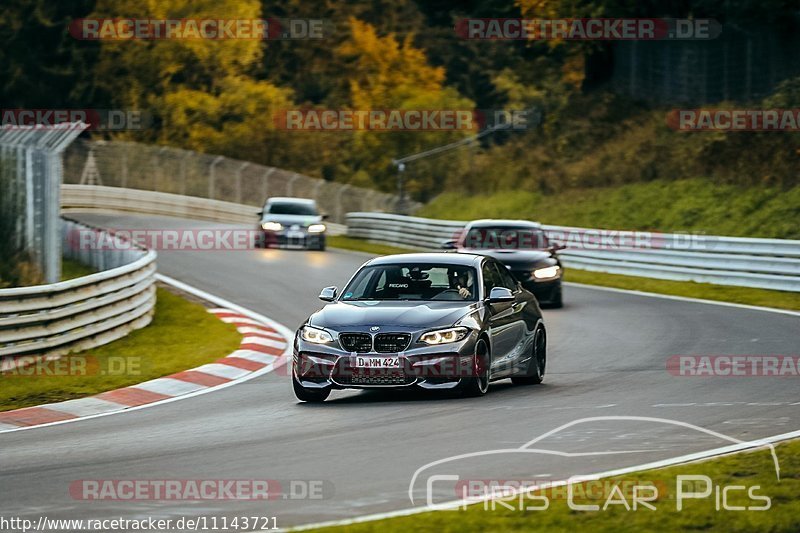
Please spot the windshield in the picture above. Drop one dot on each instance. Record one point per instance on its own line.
(506, 238)
(413, 282)
(291, 208)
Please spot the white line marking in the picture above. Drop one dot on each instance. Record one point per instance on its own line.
(222, 371)
(216, 300)
(264, 342)
(694, 457)
(169, 386)
(252, 355)
(685, 299)
(240, 320)
(247, 331)
(85, 406)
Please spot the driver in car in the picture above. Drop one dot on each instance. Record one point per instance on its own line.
(463, 283)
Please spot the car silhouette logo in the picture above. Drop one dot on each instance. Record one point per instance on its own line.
(375, 328)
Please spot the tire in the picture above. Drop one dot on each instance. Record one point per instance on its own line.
(307, 395)
(478, 385)
(538, 363)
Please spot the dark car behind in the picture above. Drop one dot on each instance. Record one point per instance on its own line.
(523, 247)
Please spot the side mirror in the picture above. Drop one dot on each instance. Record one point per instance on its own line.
(261, 212)
(500, 294)
(328, 294)
(324, 216)
(449, 245)
(556, 247)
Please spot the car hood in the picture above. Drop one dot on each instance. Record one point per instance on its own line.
(358, 315)
(289, 220)
(517, 259)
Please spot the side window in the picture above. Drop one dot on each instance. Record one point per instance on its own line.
(490, 278)
(507, 280)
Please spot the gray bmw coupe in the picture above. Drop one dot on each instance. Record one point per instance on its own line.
(436, 321)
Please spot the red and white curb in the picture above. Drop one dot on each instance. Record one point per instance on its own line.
(265, 346)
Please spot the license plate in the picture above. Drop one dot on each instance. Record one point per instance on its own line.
(376, 362)
(292, 235)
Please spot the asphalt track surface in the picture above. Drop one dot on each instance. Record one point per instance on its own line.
(607, 356)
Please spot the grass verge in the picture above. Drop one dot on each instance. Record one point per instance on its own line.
(745, 469)
(72, 269)
(689, 289)
(693, 205)
(361, 245)
(182, 335)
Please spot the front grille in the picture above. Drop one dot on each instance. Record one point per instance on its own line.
(344, 374)
(356, 342)
(391, 342)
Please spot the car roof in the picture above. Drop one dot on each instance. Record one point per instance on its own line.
(447, 258)
(290, 200)
(491, 222)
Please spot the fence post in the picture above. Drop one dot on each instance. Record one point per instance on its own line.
(32, 178)
(290, 185)
(212, 176)
(265, 183)
(239, 182)
(339, 207)
(186, 154)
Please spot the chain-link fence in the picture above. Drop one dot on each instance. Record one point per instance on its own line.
(738, 66)
(30, 182)
(170, 170)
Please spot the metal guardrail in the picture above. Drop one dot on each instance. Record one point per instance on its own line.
(102, 199)
(745, 262)
(47, 321)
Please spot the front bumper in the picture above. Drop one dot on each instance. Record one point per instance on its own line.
(287, 238)
(317, 366)
(546, 292)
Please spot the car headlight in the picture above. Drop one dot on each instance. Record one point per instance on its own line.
(315, 335)
(546, 272)
(444, 336)
(272, 226)
(316, 228)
